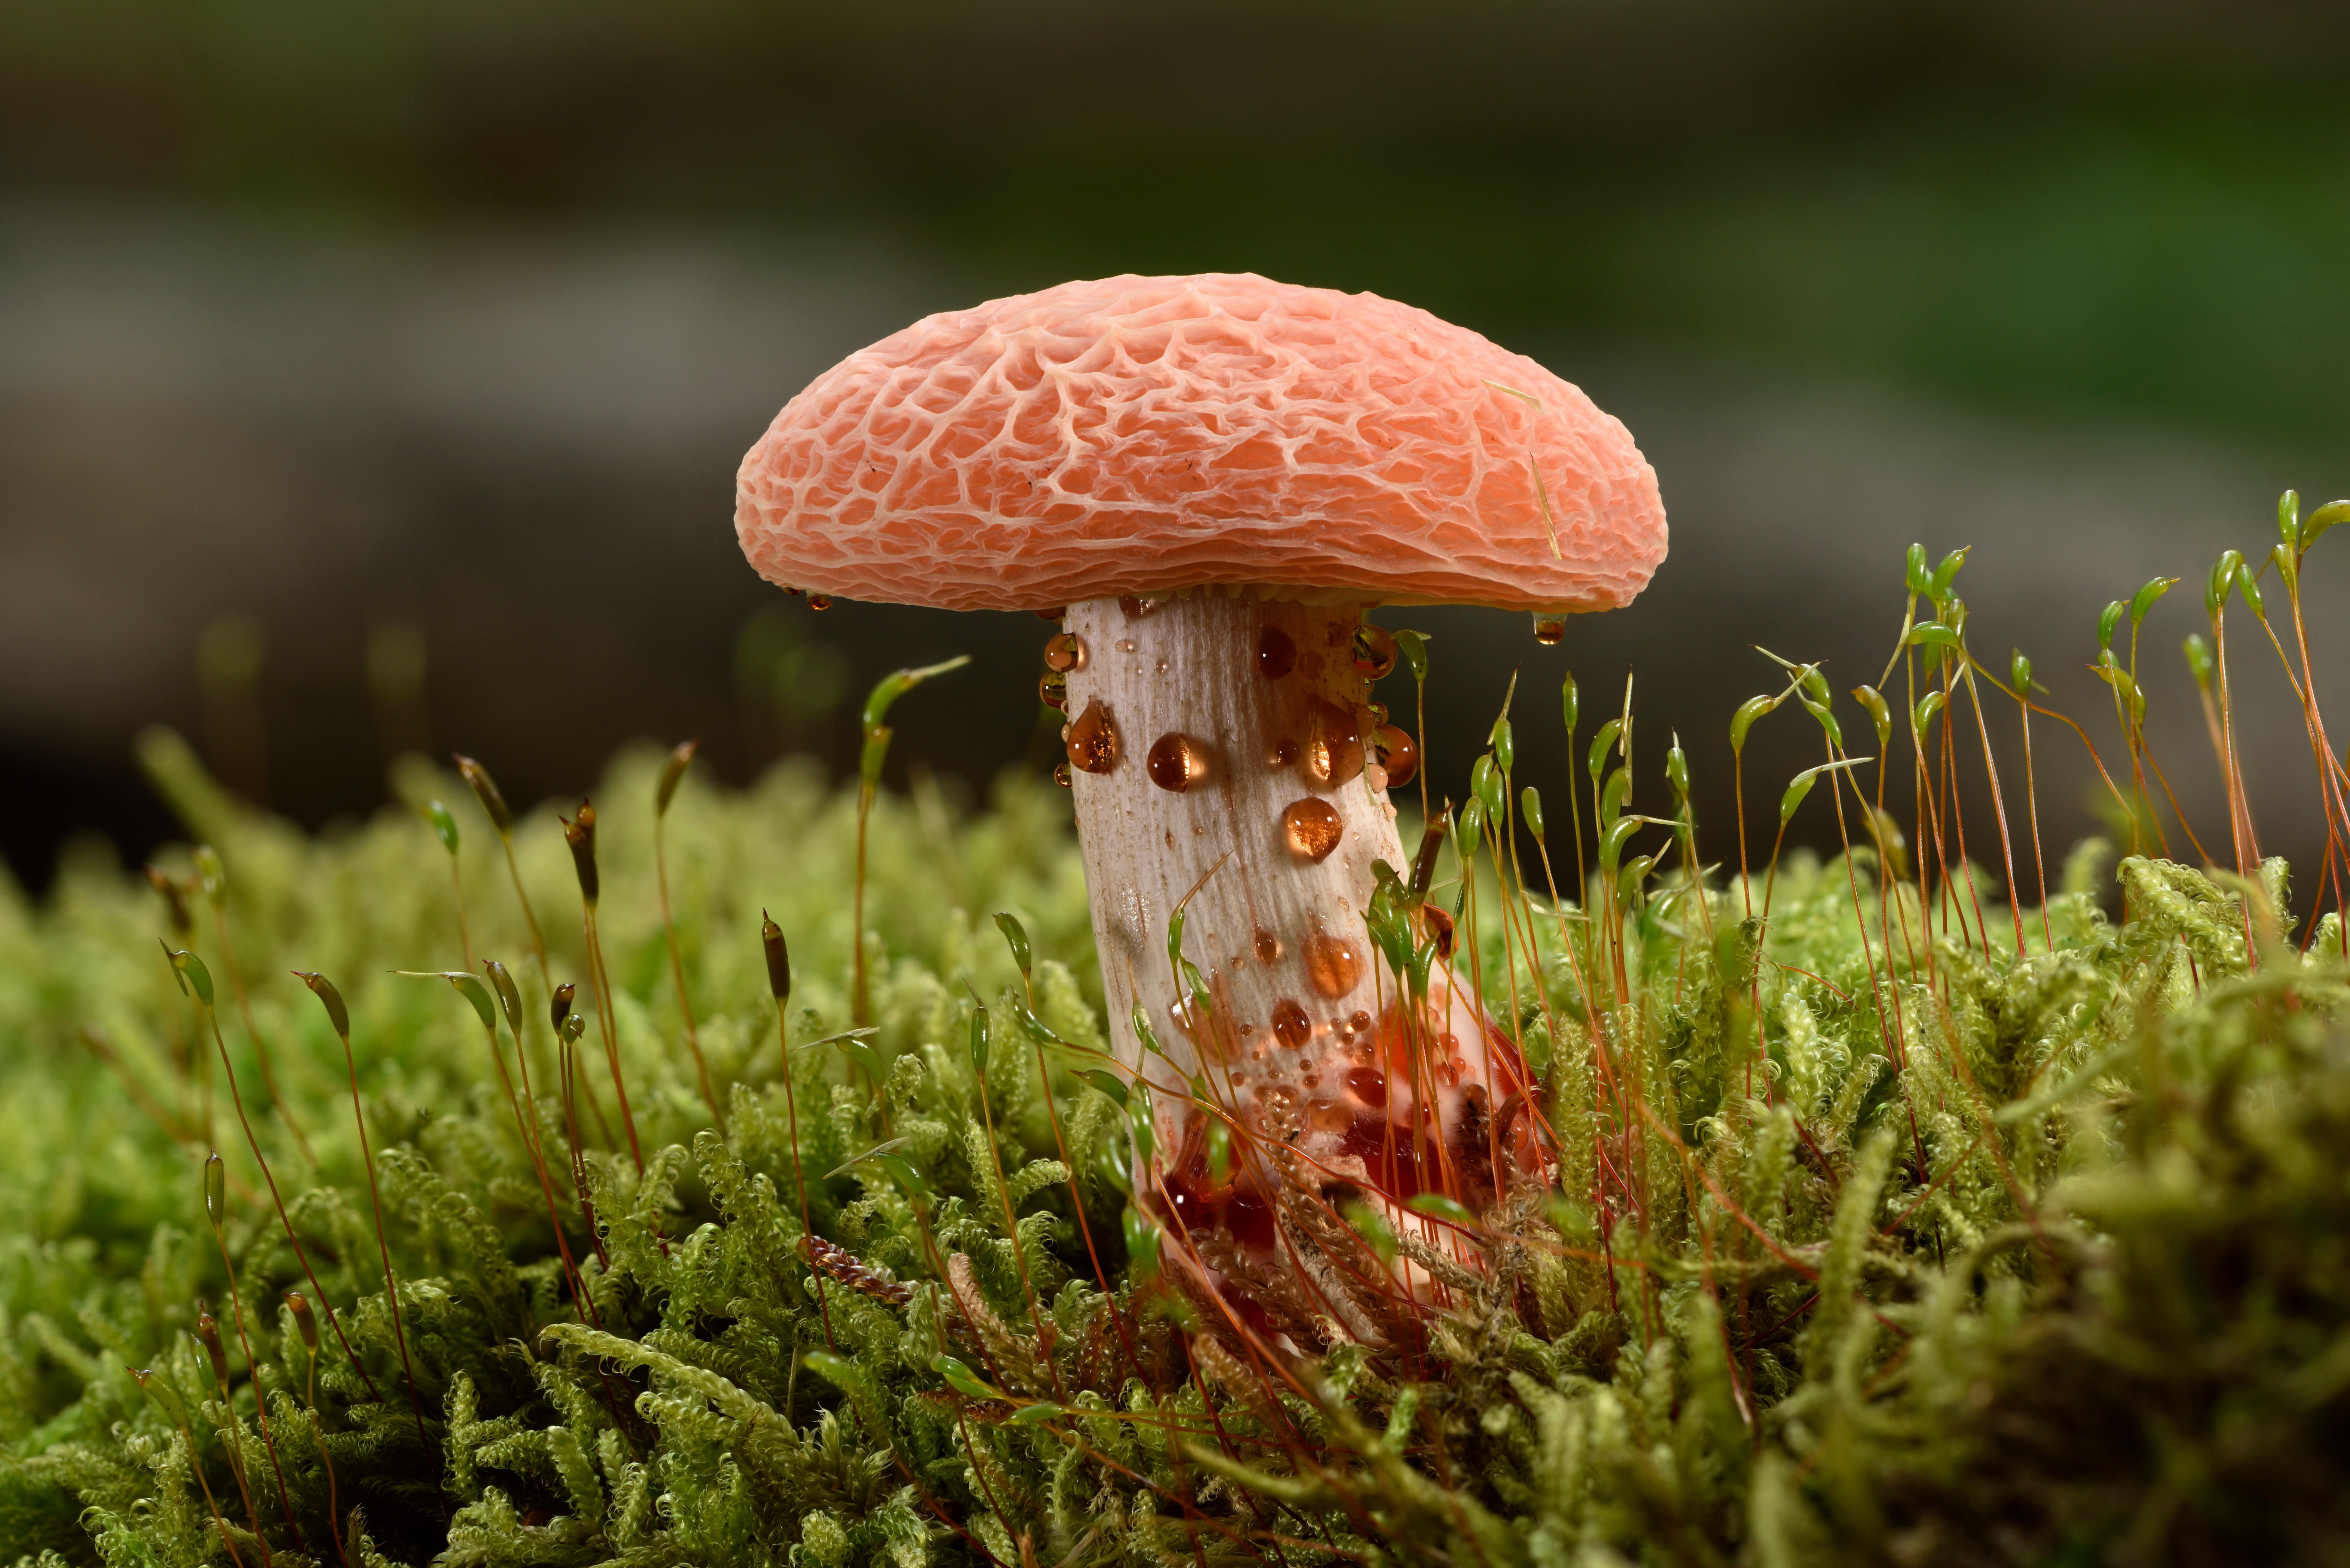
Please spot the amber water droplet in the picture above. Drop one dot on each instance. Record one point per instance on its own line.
(1375, 651)
(819, 601)
(1397, 755)
(1064, 652)
(1277, 656)
(1312, 828)
(1056, 613)
(1175, 763)
(1126, 645)
(1291, 1025)
(1334, 963)
(1549, 630)
(1334, 744)
(1284, 751)
(1061, 775)
(1093, 739)
(1268, 947)
(1135, 609)
(1053, 691)
(1367, 1084)
(792, 591)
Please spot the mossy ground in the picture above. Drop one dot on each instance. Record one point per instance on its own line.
(2030, 1249)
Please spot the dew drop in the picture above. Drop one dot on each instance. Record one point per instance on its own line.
(1398, 755)
(1284, 751)
(1268, 947)
(792, 591)
(1549, 630)
(1058, 613)
(1064, 653)
(1329, 1116)
(1175, 763)
(1367, 1084)
(819, 601)
(1277, 656)
(1290, 1024)
(1359, 1022)
(1375, 651)
(1312, 828)
(1061, 775)
(1053, 691)
(1334, 963)
(1093, 739)
(1334, 744)
(1126, 645)
(1162, 667)
(1135, 609)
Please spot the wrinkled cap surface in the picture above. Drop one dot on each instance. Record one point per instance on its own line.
(1147, 435)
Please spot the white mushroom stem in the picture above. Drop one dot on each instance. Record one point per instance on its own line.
(1303, 1042)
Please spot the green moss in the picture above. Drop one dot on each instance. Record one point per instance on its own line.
(2037, 1258)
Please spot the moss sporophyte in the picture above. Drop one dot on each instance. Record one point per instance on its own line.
(1536, 1199)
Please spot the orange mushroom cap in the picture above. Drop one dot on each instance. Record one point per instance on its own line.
(1147, 435)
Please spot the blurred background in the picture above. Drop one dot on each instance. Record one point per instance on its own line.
(373, 378)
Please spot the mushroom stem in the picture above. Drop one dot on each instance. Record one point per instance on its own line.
(1218, 756)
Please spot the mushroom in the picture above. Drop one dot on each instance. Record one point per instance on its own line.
(1208, 479)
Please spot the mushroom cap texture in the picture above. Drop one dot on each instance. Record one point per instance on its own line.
(1150, 435)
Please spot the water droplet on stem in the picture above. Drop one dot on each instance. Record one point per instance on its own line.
(1277, 656)
(1093, 739)
(1175, 763)
(1396, 753)
(1334, 748)
(1334, 963)
(1053, 691)
(1290, 1024)
(1312, 828)
(1064, 652)
(1375, 651)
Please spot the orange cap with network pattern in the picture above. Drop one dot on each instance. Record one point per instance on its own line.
(1147, 435)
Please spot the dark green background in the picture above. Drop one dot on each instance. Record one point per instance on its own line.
(2069, 282)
